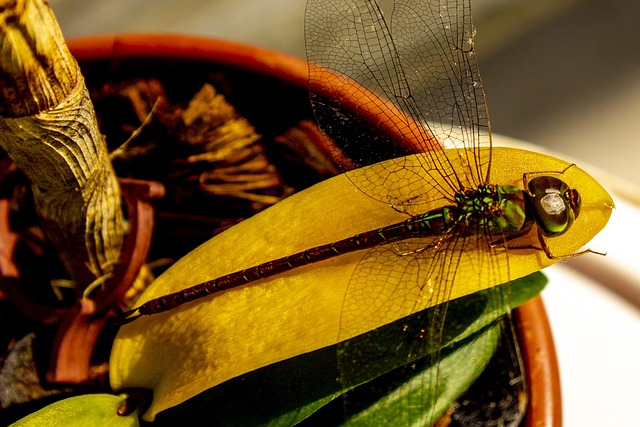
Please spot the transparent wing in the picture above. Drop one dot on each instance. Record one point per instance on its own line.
(398, 282)
(435, 43)
(423, 67)
(381, 91)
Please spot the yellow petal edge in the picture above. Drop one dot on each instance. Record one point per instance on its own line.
(183, 352)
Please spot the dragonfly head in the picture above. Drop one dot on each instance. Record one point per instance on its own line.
(554, 204)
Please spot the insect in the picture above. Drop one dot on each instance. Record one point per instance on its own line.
(499, 212)
(424, 66)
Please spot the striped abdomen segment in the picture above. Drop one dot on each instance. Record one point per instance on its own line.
(428, 224)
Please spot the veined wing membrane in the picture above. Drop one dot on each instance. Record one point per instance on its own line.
(424, 80)
(435, 44)
(424, 67)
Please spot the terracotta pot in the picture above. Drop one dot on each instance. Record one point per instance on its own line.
(251, 70)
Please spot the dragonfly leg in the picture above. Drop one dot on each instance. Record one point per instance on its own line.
(549, 255)
(502, 242)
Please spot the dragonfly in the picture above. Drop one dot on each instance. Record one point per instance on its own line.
(440, 98)
(418, 72)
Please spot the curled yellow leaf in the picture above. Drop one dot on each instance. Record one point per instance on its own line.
(183, 352)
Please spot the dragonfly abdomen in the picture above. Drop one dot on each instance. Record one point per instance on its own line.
(428, 224)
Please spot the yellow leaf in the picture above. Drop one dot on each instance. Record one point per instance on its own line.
(183, 352)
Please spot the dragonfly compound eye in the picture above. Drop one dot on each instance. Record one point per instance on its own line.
(574, 199)
(554, 205)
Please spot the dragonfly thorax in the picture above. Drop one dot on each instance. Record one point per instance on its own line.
(495, 209)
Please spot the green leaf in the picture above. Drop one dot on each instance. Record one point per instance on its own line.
(287, 392)
(81, 411)
(408, 400)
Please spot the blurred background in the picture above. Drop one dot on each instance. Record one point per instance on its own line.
(562, 74)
